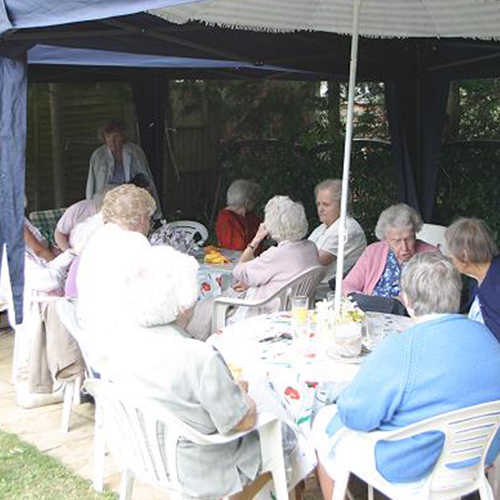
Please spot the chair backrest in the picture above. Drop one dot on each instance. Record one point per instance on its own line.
(143, 435)
(303, 285)
(468, 435)
(191, 228)
(433, 234)
(46, 221)
(66, 309)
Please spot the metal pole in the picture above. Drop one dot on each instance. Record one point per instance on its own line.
(347, 154)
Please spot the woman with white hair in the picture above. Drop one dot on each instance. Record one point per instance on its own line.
(157, 360)
(237, 224)
(428, 370)
(378, 270)
(285, 221)
(107, 257)
(473, 250)
(328, 194)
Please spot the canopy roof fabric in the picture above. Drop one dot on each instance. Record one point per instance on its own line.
(54, 55)
(417, 70)
(21, 14)
(378, 18)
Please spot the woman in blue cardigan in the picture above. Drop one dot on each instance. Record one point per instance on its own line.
(474, 251)
(444, 362)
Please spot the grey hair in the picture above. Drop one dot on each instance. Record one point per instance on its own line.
(243, 193)
(471, 240)
(285, 219)
(334, 186)
(400, 216)
(431, 284)
(161, 285)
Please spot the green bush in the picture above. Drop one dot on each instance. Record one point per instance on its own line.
(468, 183)
(283, 168)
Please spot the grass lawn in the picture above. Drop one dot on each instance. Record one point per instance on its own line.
(27, 474)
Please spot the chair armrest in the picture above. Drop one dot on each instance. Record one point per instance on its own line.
(222, 304)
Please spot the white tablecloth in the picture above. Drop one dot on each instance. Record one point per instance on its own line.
(287, 375)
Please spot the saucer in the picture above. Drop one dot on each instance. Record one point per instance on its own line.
(332, 353)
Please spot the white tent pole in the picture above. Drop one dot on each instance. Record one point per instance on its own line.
(347, 154)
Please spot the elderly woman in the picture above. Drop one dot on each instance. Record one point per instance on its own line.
(326, 236)
(43, 276)
(408, 379)
(117, 161)
(107, 257)
(473, 250)
(378, 270)
(285, 221)
(237, 224)
(157, 360)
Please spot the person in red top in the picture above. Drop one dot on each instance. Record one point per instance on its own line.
(237, 224)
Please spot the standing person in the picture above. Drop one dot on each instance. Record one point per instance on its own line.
(117, 161)
(473, 250)
(326, 236)
(237, 224)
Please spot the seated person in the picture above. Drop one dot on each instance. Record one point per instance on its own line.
(74, 215)
(285, 221)
(155, 358)
(106, 259)
(473, 250)
(326, 236)
(428, 370)
(378, 270)
(43, 276)
(237, 224)
(80, 236)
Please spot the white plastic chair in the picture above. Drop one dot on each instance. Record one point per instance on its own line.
(190, 228)
(66, 309)
(468, 434)
(71, 387)
(131, 430)
(304, 284)
(433, 234)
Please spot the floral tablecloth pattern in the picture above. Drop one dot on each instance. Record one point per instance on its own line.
(287, 375)
(213, 279)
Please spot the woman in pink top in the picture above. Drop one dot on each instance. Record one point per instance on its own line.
(285, 221)
(378, 270)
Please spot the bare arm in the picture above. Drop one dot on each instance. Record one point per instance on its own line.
(247, 254)
(326, 258)
(248, 421)
(36, 246)
(62, 240)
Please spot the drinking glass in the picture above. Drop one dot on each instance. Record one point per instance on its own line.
(300, 315)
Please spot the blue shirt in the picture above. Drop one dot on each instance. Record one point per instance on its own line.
(388, 284)
(434, 367)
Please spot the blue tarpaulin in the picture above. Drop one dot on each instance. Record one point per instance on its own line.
(15, 15)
